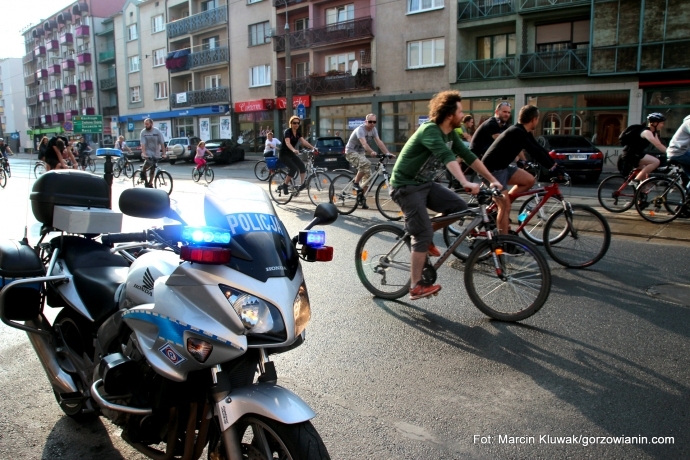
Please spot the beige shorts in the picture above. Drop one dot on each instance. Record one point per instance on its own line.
(360, 162)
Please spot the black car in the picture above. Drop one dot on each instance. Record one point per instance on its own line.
(135, 147)
(576, 154)
(225, 150)
(331, 153)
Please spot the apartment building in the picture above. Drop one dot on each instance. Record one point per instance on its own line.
(13, 123)
(59, 74)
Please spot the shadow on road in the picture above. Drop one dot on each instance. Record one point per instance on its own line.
(71, 440)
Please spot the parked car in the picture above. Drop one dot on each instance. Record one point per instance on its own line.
(135, 146)
(576, 154)
(225, 150)
(182, 148)
(331, 153)
(255, 145)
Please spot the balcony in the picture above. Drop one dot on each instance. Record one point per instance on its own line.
(88, 111)
(486, 69)
(41, 74)
(34, 122)
(40, 51)
(84, 58)
(110, 111)
(106, 84)
(482, 9)
(218, 55)
(81, 31)
(44, 96)
(106, 56)
(30, 79)
(533, 6)
(202, 97)
(327, 84)
(53, 46)
(336, 33)
(68, 65)
(69, 90)
(108, 29)
(58, 118)
(197, 22)
(54, 69)
(666, 56)
(67, 39)
(32, 100)
(86, 85)
(281, 3)
(56, 93)
(554, 63)
(46, 119)
(28, 58)
(70, 114)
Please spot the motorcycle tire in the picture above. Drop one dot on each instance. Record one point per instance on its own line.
(300, 441)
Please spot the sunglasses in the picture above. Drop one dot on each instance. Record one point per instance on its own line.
(372, 122)
(294, 123)
(504, 104)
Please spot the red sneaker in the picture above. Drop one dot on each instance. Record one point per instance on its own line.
(420, 291)
(433, 250)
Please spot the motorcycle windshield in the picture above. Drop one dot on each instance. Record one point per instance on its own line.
(261, 246)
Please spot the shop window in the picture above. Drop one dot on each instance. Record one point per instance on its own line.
(258, 33)
(417, 6)
(572, 124)
(425, 53)
(563, 36)
(496, 46)
(341, 120)
(551, 124)
(185, 127)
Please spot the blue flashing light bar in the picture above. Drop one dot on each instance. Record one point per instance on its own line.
(206, 235)
(312, 238)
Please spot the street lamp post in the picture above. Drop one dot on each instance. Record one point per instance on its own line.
(288, 70)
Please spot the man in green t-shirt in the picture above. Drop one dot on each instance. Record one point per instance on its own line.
(434, 144)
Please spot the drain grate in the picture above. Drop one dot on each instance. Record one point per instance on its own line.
(674, 293)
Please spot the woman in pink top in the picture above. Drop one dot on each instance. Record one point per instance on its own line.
(201, 152)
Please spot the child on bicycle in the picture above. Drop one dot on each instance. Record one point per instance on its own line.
(201, 152)
(271, 145)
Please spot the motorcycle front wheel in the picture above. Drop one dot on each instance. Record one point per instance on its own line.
(266, 439)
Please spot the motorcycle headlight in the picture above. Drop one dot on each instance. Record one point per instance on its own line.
(259, 318)
(302, 309)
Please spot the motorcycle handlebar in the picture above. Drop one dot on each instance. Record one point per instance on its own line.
(111, 238)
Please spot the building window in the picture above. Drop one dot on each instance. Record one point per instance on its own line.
(563, 36)
(496, 46)
(301, 24)
(425, 53)
(260, 76)
(134, 94)
(340, 14)
(209, 5)
(134, 64)
(159, 57)
(189, 85)
(157, 24)
(210, 43)
(132, 32)
(416, 6)
(249, 2)
(572, 125)
(302, 69)
(211, 81)
(161, 90)
(340, 62)
(551, 125)
(258, 33)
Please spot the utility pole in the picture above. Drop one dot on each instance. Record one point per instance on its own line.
(288, 70)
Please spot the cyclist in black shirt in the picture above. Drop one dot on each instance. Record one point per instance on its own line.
(502, 153)
(488, 131)
(289, 151)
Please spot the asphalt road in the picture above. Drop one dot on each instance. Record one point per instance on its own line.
(431, 379)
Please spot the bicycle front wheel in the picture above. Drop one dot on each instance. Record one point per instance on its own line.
(586, 236)
(616, 193)
(163, 181)
(261, 170)
(382, 261)
(275, 188)
(513, 284)
(8, 170)
(3, 178)
(91, 164)
(659, 200)
(385, 204)
(343, 195)
(196, 174)
(137, 179)
(39, 169)
(117, 169)
(128, 169)
(209, 175)
(319, 187)
(534, 228)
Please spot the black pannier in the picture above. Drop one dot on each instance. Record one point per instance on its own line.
(67, 188)
(17, 261)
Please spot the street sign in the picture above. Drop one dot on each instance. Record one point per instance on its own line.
(68, 126)
(88, 124)
(301, 111)
(130, 127)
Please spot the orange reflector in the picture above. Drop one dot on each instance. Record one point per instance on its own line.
(325, 181)
(652, 213)
(499, 252)
(365, 255)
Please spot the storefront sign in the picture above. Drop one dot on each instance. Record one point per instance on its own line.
(164, 127)
(181, 98)
(254, 106)
(225, 128)
(354, 123)
(281, 102)
(204, 129)
(422, 119)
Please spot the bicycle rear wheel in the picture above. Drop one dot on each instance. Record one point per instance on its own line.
(3, 178)
(261, 170)
(616, 193)
(117, 169)
(163, 181)
(343, 195)
(318, 188)
(209, 175)
(534, 229)
(385, 204)
(587, 236)
(659, 200)
(8, 170)
(275, 188)
(373, 257)
(196, 174)
(39, 169)
(514, 290)
(137, 179)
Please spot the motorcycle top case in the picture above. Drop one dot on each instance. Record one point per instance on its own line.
(67, 188)
(18, 261)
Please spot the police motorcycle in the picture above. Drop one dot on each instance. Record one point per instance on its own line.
(169, 332)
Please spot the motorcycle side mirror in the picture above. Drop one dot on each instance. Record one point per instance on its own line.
(326, 213)
(147, 203)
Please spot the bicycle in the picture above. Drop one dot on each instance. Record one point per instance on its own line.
(39, 168)
(574, 235)
(661, 199)
(6, 166)
(123, 165)
(88, 162)
(3, 175)
(347, 199)
(262, 171)
(501, 272)
(318, 183)
(616, 193)
(206, 172)
(161, 179)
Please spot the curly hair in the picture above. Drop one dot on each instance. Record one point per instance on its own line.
(443, 105)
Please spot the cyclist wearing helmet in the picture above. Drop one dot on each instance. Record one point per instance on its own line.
(634, 151)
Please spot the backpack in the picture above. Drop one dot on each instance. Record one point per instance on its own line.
(631, 135)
